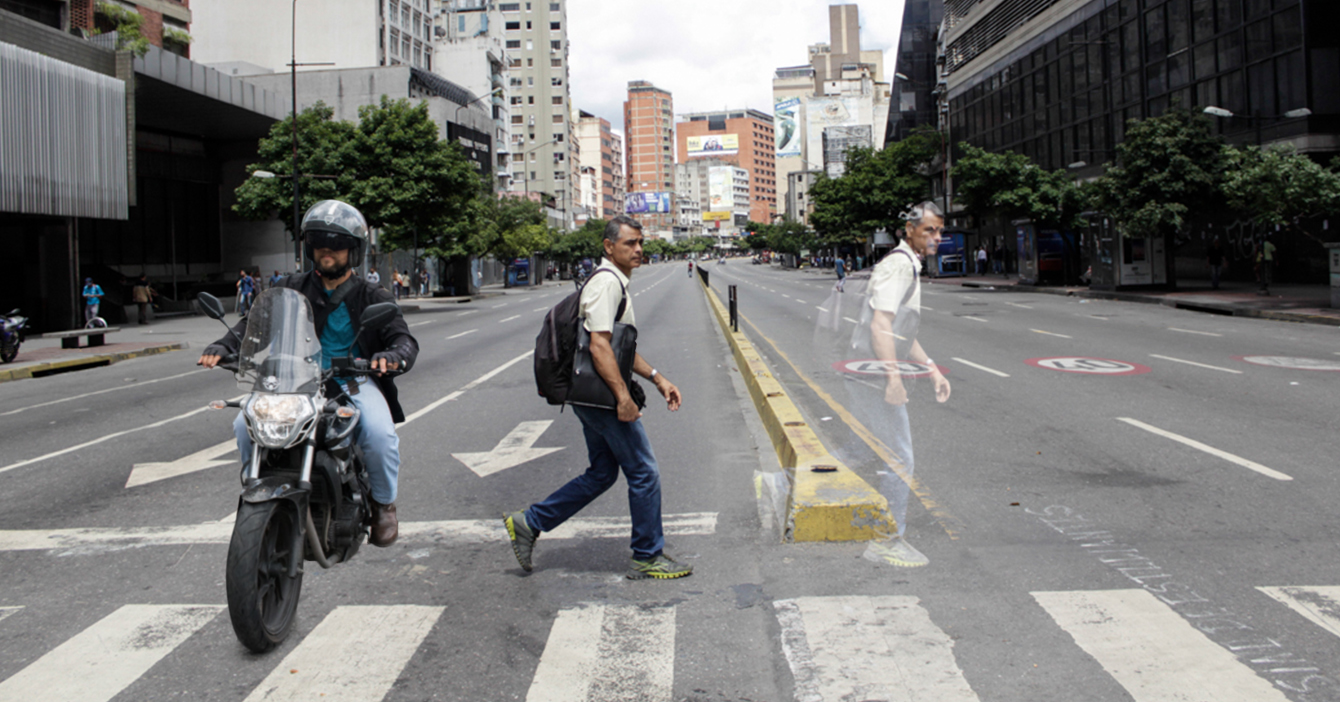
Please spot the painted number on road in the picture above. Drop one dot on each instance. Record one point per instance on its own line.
(1093, 366)
(871, 366)
(1292, 363)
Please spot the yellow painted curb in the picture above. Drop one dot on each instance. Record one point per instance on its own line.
(836, 505)
(108, 358)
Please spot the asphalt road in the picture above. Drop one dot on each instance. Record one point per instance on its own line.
(1074, 555)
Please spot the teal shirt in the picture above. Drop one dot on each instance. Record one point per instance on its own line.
(337, 338)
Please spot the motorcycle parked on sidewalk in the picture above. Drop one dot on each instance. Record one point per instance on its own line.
(305, 492)
(11, 335)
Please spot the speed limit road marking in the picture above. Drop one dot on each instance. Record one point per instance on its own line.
(1092, 366)
(1292, 363)
(872, 366)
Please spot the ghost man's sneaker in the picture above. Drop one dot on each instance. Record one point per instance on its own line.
(895, 552)
(522, 537)
(661, 567)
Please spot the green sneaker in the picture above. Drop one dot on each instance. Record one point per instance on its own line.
(522, 537)
(661, 567)
(895, 552)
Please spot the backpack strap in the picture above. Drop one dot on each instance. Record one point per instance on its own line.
(623, 292)
(916, 277)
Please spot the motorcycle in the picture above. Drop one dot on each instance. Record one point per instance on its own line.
(305, 492)
(11, 335)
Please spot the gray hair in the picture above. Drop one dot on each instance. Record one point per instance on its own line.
(615, 227)
(918, 212)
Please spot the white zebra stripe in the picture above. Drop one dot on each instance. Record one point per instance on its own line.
(1320, 604)
(608, 653)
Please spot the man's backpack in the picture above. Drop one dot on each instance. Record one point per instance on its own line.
(557, 342)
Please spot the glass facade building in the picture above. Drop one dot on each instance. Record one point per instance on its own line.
(1057, 80)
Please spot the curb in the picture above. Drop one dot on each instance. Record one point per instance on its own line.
(74, 364)
(829, 506)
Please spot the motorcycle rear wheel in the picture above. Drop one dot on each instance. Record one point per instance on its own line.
(262, 599)
(8, 350)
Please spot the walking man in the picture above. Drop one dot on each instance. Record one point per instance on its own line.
(92, 298)
(1214, 256)
(615, 439)
(142, 295)
(374, 277)
(895, 316)
(1266, 260)
(840, 266)
(246, 286)
(981, 259)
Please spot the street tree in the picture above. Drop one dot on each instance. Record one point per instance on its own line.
(583, 243)
(876, 187)
(507, 227)
(792, 237)
(1009, 186)
(1279, 187)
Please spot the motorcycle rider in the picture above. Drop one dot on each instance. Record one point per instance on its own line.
(334, 236)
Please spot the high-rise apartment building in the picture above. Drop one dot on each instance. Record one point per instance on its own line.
(649, 129)
(536, 41)
(839, 99)
(468, 50)
(914, 102)
(743, 138)
(602, 152)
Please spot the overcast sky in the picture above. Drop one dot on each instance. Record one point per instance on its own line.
(710, 54)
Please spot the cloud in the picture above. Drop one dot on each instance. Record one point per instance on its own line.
(710, 54)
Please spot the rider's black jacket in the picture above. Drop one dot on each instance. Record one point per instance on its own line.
(393, 341)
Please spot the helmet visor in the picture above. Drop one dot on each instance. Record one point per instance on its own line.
(330, 240)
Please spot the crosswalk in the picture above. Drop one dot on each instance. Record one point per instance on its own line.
(836, 648)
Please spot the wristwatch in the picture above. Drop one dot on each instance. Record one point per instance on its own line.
(653, 375)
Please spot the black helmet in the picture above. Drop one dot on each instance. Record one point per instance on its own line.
(331, 224)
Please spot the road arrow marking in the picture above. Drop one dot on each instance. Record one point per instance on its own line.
(512, 451)
(145, 473)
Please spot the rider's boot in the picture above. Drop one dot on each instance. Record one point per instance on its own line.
(385, 527)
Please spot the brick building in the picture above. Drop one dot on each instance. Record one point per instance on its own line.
(743, 138)
(649, 128)
(602, 152)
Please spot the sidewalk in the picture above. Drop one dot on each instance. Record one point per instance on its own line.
(39, 357)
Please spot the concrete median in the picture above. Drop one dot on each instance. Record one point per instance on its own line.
(827, 500)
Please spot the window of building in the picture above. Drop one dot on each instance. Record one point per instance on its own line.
(530, 63)
(553, 7)
(530, 81)
(516, 99)
(1203, 63)
(556, 45)
(509, 7)
(530, 99)
(556, 63)
(1258, 40)
(512, 26)
(1202, 20)
(514, 63)
(1229, 48)
(528, 24)
(514, 44)
(514, 82)
(518, 119)
(530, 45)
(558, 119)
(556, 100)
(555, 26)
(555, 82)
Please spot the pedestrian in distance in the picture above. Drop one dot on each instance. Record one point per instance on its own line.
(1265, 259)
(615, 438)
(981, 259)
(373, 277)
(995, 256)
(894, 320)
(274, 279)
(92, 299)
(840, 266)
(246, 288)
(423, 282)
(1214, 257)
(397, 282)
(142, 294)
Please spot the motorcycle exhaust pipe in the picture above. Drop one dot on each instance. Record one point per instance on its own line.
(312, 541)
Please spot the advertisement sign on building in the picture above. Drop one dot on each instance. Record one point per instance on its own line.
(647, 203)
(721, 188)
(787, 113)
(717, 216)
(714, 145)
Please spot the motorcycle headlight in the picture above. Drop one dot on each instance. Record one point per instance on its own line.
(277, 421)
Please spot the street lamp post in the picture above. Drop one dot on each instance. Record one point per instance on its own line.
(1258, 119)
(525, 173)
(293, 75)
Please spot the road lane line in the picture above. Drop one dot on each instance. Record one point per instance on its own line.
(800, 301)
(99, 662)
(539, 309)
(497, 306)
(515, 316)
(607, 653)
(1039, 331)
(849, 319)
(928, 309)
(1015, 304)
(968, 316)
(469, 386)
(821, 309)
(109, 437)
(331, 664)
(1154, 653)
(1193, 331)
(947, 521)
(1251, 465)
(1319, 604)
(1193, 363)
(867, 648)
(418, 324)
(786, 296)
(457, 336)
(6, 611)
(100, 392)
(980, 367)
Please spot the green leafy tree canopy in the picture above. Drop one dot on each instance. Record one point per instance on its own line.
(1279, 186)
(875, 189)
(1010, 186)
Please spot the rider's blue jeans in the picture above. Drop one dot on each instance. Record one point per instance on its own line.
(611, 445)
(375, 433)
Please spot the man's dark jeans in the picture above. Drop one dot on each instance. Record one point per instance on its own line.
(611, 445)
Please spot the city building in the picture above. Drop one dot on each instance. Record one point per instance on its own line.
(722, 192)
(468, 50)
(798, 194)
(342, 33)
(842, 88)
(602, 151)
(536, 41)
(915, 100)
(1058, 81)
(649, 130)
(744, 138)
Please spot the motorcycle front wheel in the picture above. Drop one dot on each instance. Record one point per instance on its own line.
(8, 350)
(262, 598)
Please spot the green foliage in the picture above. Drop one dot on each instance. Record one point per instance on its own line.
(758, 240)
(655, 247)
(176, 36)
(323, 146)
(1010, 186)
(1279, 186)
(506, 227)
(583, 243)
(128, 26)
(876, 187)
(1168, 167)
(792, 237)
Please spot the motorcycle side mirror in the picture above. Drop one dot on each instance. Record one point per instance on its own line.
(13, 313)
(210, 305)
(377, 316)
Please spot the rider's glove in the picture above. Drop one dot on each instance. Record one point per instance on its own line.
(216, 350)
(392, 359)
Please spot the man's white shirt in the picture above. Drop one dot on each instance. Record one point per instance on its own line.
(600, 299)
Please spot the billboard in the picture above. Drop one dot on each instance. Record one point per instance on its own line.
(717, 216)
(787, 113)
(714, 145)
(721, 188)
(647, 203)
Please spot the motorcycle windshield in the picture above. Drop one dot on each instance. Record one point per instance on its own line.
(280, 350)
